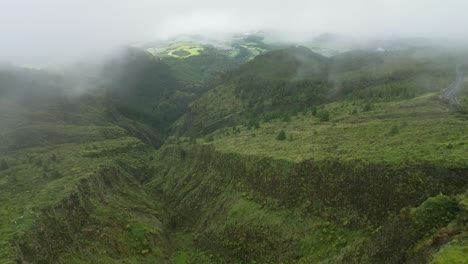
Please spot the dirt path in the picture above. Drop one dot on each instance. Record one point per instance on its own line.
(451, 93)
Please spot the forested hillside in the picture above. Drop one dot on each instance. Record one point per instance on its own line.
(285, 82)
(192, 153)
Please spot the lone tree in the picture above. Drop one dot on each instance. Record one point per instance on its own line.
(3, 165)
(281, 135)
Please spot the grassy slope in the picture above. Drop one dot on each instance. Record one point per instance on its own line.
(71, 192)
(464, 95)
(43, 218)
(284, 82)
(441, 134)
(50, 163)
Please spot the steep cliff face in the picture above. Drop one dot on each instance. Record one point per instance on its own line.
(73, 157)
(107, 219)
(260, 209)
(81, 203)
(194, 204)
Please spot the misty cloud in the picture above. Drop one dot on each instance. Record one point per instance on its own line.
(56, 30)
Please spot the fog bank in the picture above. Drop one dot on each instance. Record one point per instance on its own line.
(50, 31)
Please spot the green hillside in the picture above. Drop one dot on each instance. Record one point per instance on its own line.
(375, 147)
(68, 178)
(198, 154)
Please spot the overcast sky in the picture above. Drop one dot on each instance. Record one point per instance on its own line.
(33, 31)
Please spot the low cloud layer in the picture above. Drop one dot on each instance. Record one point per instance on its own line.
(56, 30)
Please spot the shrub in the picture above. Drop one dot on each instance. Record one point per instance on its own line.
(394, 130)
(4, 165)
(253, 123)
(323, 115)
(314, 111)
(39, 162)
(393, 240)
(12, 179)
(434, 213)
(56, 174)
(281, 135)
(45, 167)
(367, 107)
(183, 154)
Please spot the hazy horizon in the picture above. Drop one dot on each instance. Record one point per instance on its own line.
(59, 31)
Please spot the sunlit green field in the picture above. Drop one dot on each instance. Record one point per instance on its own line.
(254, 49)
(178, 50)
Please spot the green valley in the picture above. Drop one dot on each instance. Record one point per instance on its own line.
(246, 153)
